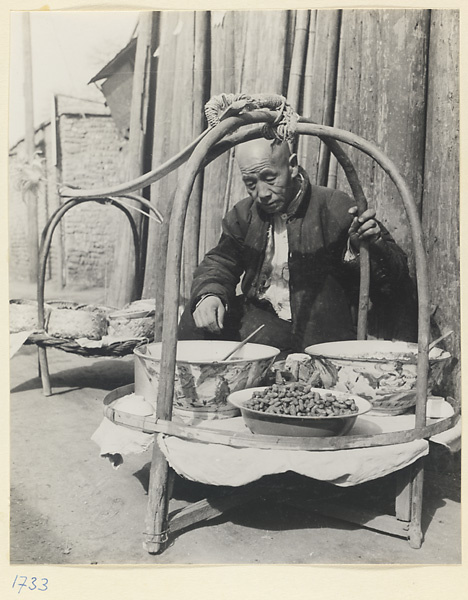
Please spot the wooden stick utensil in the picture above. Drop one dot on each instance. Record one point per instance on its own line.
(439, 339)
(241, 344)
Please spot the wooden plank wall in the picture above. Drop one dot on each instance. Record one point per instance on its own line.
(319, 76)
(234, 37)
(383, 100)
(172, 131)
(389, 76)
(263, 66)
(228, 32)
(441, 194)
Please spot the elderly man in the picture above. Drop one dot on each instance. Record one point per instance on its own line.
(297, 247)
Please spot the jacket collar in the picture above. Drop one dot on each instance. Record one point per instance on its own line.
(300, 199)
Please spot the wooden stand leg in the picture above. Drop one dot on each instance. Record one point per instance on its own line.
(210, 508)
(170, 483)
(44, 371)
(415, 530)
(403, 494)
(158, 502)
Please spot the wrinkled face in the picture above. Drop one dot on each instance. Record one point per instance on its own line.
(268, 172)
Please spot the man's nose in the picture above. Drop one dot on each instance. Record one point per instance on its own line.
(264, 192)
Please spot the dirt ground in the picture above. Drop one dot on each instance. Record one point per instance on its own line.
(69, 506)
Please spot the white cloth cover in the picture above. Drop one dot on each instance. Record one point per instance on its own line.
(116, 441)
(17, 340)
(451, 438)
(216, 464)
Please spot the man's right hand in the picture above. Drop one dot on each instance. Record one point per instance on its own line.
(209, 314)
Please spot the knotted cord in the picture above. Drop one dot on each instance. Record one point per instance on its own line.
(282, 129)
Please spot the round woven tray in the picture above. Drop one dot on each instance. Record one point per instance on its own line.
(116, 349)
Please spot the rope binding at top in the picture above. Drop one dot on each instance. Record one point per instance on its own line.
(283, 128)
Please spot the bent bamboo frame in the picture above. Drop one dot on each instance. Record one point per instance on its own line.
(210, 144)
(238, 439)
(176, 228)
(50, 227)
(138, 183)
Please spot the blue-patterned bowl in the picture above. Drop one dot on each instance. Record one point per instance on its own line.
(383, 372)
(203, 381)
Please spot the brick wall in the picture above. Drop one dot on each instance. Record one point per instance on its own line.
(91, 153)
(18, 220)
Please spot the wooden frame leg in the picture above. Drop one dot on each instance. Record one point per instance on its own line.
(160, 488)
(170, 483)
(44, 370)
(404, 486)
(210, 508)
(415, 530)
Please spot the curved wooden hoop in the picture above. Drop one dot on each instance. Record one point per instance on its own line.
(46, 241)
(126, 189)
(138, 183)
(237, 439)
(174, 253)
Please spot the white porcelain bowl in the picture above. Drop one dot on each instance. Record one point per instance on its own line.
(383, 372)
(202, 381)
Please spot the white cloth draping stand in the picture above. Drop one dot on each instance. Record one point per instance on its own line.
(217, 464)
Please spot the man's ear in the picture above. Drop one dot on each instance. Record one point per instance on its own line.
(293, 166)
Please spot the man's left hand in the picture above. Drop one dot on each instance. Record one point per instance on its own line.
(363, 228)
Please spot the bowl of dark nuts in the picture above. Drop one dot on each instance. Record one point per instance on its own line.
(295, 409)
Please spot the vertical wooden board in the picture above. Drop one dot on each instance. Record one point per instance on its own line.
(226, 63)
(124, 281)
(201, 92)
(321, 36)
(241, 63)
(353, 66)
(308, 146)
(263, 71)
(182, 117)
(266, 36)
(441, 196)
(381, 97)
(165, 145)
(297, 60)
(291, 21)
(252, 49)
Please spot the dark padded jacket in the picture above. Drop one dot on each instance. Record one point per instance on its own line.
(323, 288)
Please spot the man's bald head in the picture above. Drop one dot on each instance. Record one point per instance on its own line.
(261, 149)
(269, 172)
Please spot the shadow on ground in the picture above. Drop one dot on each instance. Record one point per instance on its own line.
(105, 374)
(269, 512)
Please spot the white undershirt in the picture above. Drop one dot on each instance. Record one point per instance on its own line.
(274, 275)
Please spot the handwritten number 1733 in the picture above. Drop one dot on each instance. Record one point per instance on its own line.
(21, 581)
